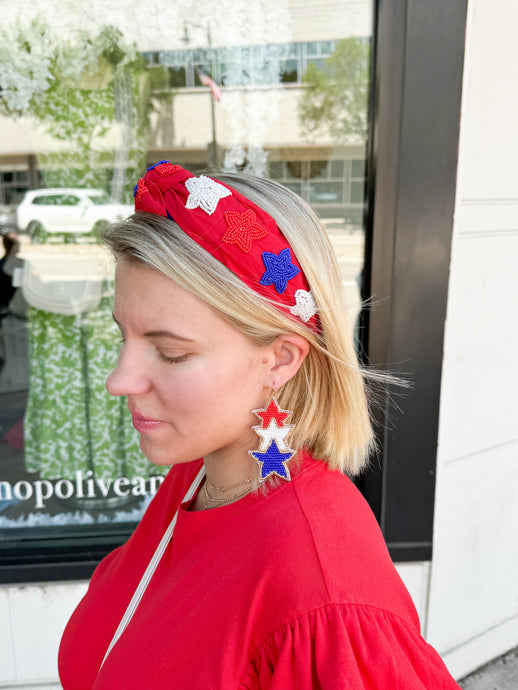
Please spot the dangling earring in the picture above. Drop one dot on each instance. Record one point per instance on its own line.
(273, 453)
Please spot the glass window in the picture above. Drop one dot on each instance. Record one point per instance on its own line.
(288, 70)
(325, 192)
(177, 77)
(357, 192)
(319, 63)
(293, 169)
(275, 169)
(13, 185)
(319, 169)
(279, 92)
(337, 169)
(358, 168)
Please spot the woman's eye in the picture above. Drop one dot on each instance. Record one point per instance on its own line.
(172, 360)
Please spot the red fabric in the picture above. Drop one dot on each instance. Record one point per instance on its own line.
(294, 590)
(163, 191)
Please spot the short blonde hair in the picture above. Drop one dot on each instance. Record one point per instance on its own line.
(327, 395)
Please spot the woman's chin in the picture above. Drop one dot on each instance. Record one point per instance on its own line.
(160, 456)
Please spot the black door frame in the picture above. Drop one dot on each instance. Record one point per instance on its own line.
(415, 118)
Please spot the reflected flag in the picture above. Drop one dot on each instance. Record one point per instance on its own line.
(207, 81)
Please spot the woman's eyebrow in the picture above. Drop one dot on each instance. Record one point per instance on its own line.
(160, 333)
(167, 334)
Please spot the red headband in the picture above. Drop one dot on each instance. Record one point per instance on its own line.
(234, 230)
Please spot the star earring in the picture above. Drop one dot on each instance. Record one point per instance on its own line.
(273, 453)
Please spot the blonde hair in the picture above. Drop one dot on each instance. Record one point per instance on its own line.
(327, 395)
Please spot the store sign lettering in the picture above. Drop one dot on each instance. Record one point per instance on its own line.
(83, 486)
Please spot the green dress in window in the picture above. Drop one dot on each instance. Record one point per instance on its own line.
(72, 423)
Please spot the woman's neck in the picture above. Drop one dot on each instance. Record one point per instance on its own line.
(229, 476)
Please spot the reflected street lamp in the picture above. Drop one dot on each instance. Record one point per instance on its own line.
(212, 148)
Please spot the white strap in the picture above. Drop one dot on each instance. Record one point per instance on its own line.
(155, 560)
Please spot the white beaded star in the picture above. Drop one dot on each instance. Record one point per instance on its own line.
(305, 306)
(205, 193)
(274, 433)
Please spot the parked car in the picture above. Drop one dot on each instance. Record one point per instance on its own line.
(7, 219)
(68, 211)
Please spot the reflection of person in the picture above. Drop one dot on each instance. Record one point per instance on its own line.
(276, 575)
(7, 289)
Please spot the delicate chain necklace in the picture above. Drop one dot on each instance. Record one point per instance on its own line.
(228, 499)
(227, 488)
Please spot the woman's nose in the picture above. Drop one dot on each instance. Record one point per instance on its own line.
(128, 377)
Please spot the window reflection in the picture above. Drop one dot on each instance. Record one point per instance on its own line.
(84, 112)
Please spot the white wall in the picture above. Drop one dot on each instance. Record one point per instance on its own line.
(33, 618)
(473, 606)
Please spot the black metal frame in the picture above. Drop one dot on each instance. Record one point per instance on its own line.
(416, 91)
(417, 72)
(57, 554)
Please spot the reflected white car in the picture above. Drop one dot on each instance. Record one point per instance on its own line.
(63, 210)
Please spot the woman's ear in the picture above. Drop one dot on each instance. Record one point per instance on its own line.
(289, 351)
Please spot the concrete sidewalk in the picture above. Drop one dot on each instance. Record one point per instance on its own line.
(500, 674)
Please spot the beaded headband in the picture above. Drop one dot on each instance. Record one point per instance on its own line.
(234, 230)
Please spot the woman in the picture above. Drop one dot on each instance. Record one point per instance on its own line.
(240, 372)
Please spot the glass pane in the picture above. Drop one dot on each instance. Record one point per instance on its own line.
(319, 169)
(337, 169)
(293, 169)
(280, 92)
(275, 169)
(358, 168)
(325, 193)
(319, 64)
(288, 70)
(357, 192)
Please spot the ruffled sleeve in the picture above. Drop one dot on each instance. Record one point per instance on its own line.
(353, 647)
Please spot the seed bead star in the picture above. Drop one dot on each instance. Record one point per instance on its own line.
(243, 229)
(305, 305)
(205, 193)
(279, 269)
(273, 462)
(274, 433)
(272, 411)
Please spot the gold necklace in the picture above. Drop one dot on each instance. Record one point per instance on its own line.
(227, 488)
(225, 500)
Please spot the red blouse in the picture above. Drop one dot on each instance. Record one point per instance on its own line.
(294, 590)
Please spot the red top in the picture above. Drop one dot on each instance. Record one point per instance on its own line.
(294, 590)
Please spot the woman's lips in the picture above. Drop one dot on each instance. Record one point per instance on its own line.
(144, 424)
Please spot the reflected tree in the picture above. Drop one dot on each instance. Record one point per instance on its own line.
(91, 93)
(335, 100)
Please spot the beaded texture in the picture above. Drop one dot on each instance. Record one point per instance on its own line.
(305, 306)
(279, 270)
(274, 453)
(243, 229)
(234, 230)
(205, 193)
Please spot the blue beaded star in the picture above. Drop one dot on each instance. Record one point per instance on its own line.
(156, 164)
(272, 461)
(279, 269)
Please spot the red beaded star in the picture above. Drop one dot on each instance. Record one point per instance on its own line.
(166, 168)
(243, 229)
(273, 411)
(140, 189)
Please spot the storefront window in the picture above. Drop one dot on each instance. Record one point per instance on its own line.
(88, 100)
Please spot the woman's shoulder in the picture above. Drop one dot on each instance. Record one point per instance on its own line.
(332, 527)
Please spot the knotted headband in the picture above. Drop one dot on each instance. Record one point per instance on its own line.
(234, 230)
